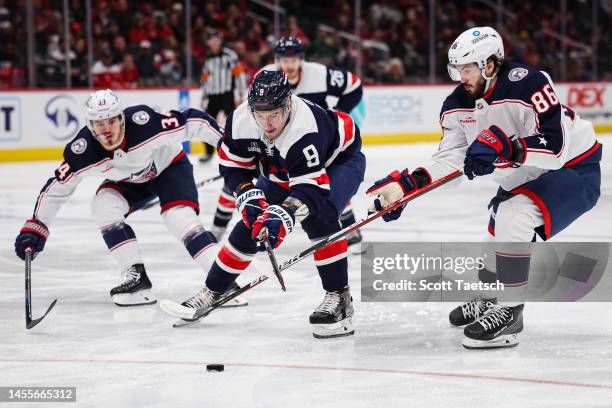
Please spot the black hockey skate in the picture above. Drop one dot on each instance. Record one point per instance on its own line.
(238, 301)
(470, 311)
(134, 288)
(499, 327)
(334, 316)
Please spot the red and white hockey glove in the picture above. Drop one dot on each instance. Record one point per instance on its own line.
(250, 202)
(33, 235)
(275, 224)
(390, 189)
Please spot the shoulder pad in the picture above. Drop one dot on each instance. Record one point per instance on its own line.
(83, 150)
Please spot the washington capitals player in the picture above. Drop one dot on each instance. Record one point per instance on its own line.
(506, 120)
(309, 164)
(139, 153)
(328, 87)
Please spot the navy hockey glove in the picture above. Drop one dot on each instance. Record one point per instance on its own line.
(33, 235)
(390, 189)
(491, 149)
(250, 202)
(275, 223)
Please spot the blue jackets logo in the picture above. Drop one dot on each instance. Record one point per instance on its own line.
(61, 112)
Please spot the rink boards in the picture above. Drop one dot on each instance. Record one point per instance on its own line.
(36, 124)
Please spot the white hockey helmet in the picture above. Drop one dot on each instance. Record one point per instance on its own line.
(475, 45)
(103, 104)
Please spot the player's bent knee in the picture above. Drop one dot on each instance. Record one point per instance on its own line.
(181, 220)
(516, 219)
(109, 207)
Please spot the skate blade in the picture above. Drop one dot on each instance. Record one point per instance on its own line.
(140, 298)
(177, 310)
(338, 329)
(236, 302)
(183, 323)
(505, 341)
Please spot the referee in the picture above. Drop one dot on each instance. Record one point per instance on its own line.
(223, 82)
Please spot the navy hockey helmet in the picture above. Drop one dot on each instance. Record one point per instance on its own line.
(269, 90)
(289, 47)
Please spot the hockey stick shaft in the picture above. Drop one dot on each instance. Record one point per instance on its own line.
(28, 287)
(371, 217)
(274, 263)
(198, 185)
(333, 238)
(28, 293)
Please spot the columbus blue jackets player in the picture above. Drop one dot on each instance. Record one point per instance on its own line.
(309, 164)
(505, 119)
(328, 87)
(139, 153)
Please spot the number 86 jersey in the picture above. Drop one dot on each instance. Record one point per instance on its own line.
(522, 103)
(297, 160)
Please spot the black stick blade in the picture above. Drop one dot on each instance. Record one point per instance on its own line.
(32, 323)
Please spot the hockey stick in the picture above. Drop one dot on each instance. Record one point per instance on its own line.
(274, 263)
(28, 292)
(198, 185)
(203, 312)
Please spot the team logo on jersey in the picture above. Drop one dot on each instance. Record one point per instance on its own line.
(140, 117)
(254, 147)
(78, 146)
(517, 74)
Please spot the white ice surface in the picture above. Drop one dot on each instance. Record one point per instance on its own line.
(403, 354)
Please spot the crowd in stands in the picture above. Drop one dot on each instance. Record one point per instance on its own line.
(142, 43)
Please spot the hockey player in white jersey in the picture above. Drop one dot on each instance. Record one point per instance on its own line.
(329, 87)
(505, 119)
(139, 152)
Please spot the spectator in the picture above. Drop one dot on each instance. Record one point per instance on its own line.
(105, 72)
(148, 65)
(128, 76)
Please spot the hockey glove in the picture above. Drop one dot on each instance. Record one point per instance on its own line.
(250, 202)
(33, 235)
(275, 224)
(390, 189)
(491, 147)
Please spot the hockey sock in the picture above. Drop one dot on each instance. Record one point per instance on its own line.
(226, 268)
(332, 265)
(121, 242)
(512, 264)
(197, 242)
(225, 207)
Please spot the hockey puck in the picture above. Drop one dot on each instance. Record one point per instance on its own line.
(215, 367)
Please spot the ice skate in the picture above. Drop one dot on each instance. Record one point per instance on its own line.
(334, 316)
(134, 288)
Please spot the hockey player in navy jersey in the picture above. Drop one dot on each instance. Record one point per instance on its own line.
(505, 119)
(139, 152)
(309, 164)
(326, 86)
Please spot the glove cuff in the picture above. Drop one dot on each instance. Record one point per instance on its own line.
(407, 181)
(36, 227)
(249, 194)
(286, 217)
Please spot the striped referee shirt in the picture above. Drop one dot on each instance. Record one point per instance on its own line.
(223, 73)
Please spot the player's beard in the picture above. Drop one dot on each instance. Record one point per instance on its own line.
(476, 91)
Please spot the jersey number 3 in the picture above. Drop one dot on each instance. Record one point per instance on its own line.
(544, 99)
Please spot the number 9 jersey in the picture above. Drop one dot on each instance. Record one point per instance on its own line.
(313, 140)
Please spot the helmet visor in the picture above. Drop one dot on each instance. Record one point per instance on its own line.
(457, 72)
